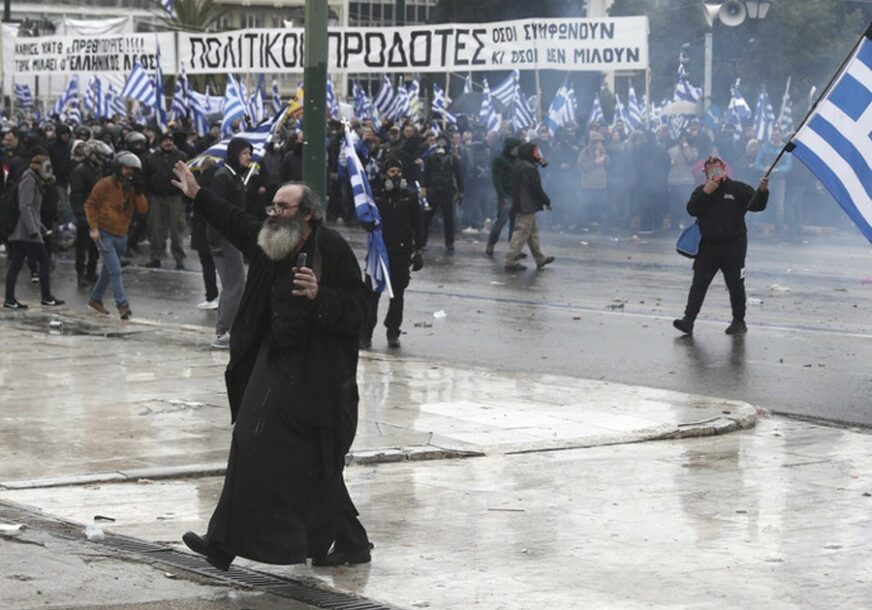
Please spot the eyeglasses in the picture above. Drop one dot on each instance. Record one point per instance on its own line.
(276, 209)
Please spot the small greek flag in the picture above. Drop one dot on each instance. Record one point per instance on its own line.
(332, 104)
(560, 111)
(634, 111)
(23, 97)
(467, 83)
(596, 112)
(764, 116)
(276, 97)
(414, 99)
(684, 91)
(384, 99)
(440, 103)
(523, 117)
(401, 106)
(620, 112)
(116, 102)
(181, 97)
(488, 114)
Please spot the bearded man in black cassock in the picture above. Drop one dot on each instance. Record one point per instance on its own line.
(292, 386)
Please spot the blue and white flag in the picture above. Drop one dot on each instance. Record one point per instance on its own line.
(507, 91)
(259, 138)
(276, 97)
(168, 6)
(139, 86)
(359, 98)
(684, 91)
(332, 104)
(401, 107)
(559, 113)
(23, 97)
(181, 97)
(384, 99)
(467, 83)
(116, 102)
(523, 117)
(738, 110)
(488, 115)
(256, 108)
(620, 112)
(440, 103)
(596, 112)
(635, 118)
(764, 117)
(67, 104)
(415, 99)
(376, 266)
(96, 101)
(234, 106)
(785, 113)
(834, 142)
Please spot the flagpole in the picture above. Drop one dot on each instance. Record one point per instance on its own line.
(789, 146)
(538, 99)
(784, 99)
(447, 95)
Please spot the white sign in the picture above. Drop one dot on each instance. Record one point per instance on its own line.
(93, 54)
(549, 44)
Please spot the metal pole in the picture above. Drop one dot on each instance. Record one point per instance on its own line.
(7, 11)
(315, 99)
(707, 87)
(400, 12)
(538, 99)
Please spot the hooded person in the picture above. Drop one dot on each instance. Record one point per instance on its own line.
(501, 175)
(401, 229)
(26, 240)
(528, 198)
(229, 183)
(291, 384)
(443, 184)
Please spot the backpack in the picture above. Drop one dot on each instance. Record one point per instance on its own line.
(9, 212)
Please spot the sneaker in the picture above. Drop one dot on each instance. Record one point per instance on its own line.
(207, 304)
(221, 341)
(545, 261)
(152, 264)
(737, 327)
(52, 302)
(124, 312)
(514, 267)
(98, 307)
(489, 250)
(393, 342)
(685, 325)
(13, 304)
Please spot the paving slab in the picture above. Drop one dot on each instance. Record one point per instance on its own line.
(102, 400)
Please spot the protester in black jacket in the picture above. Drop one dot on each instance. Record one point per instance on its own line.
(527, 199)
(401, 229)
(82, 180)
(719, 207)
(166, 209)
(443, 181)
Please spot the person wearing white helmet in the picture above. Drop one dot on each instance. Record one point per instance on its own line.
(109, 209)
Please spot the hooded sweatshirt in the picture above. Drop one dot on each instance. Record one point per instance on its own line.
(501, 169)
(527, 194)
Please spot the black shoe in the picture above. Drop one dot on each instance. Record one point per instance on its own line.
(125, 263)
(522, 255)
(393, 342)
(215, 556)
(152, 264)
(92, 278)
(340, 558)
(52, 302)
(82, 282)
(13, 304)
(545, 261)
(685, 325)
(514, 267)
(737, 327)
(449, 248)
(180, 266)
(364, 343)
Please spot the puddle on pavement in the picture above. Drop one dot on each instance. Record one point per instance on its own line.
(59, 326)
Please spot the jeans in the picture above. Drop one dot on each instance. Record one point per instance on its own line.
(19, 250)
(112, 248)
(504, 215)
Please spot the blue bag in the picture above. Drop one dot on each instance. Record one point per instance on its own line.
(688, 242)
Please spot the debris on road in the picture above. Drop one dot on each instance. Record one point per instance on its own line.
(104, 518)
(440, 314)
(8, 529)
(779, 288)
(94, 533)
(755, 301)
(423, 325)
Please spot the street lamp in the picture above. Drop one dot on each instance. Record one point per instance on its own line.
(731, 13)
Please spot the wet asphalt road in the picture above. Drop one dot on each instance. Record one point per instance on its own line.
(604, 311)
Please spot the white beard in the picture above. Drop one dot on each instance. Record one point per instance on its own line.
(279, 240)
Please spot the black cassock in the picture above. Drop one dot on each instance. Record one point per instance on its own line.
(292, 387)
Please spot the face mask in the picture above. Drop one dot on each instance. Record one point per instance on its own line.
(715, 172)
(440, 150)
(46, 174)
(395, 183)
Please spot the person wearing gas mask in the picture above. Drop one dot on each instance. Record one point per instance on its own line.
(109, 210)
(27, 238)
(401, 228)
(97, 156)
(528, 198)
(720, 206)
(443, 185)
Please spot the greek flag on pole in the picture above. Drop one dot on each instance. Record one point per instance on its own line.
(401, 106)
(596, 112)
(359, 97)
(181, 103)
(116, 102)
(439, 105)
(276, 97)
(258, 137)
(834, 142)
(364, 206)
(507, 91)
(684, 91)
(415, 99)
(523, 117)
(332, 104)
(67, 104)
(620, 112)
(572, 110)
(467, 83)
(168, 5)
(255, 103)
(100, 108)
(488, 114)
(559, 111)
(634, 112)
(738, 107)
(139, 86)
(23, 97)
(764, 116)
(785, 113)
(234, 106)
(384, 99)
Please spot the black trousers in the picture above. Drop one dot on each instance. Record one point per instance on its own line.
(400, 276)
(729, 259)
(86, 250)
(445, 202)
(19, 251)
(209, 277)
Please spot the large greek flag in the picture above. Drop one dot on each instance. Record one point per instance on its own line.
(258, 137)
(834, 141)
(738, 108)
(560, 111)
(23, 97)
(523, 117)
(507, 91)
(181, 97)
(139, 86)
(364, 206)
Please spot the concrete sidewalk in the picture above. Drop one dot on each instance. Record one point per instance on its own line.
(94, 400)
